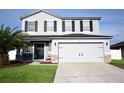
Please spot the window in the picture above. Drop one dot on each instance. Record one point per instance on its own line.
(50, 25)
(27, 50)
(86, 26)
(68, 25)
(31, 26)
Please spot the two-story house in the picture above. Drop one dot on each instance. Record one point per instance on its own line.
(65, 39)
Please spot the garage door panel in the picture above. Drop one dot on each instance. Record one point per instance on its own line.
(69, 50)
(81, 52)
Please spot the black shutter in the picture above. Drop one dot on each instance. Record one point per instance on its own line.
(91, 26)
(63, 26)
(26, 26)
(81, 26)
(73, 26)
(45, 26)
(55, 26)
(36, 26)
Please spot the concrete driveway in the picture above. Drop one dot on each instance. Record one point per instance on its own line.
(88, 73)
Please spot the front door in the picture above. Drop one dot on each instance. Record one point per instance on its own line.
(38, 51)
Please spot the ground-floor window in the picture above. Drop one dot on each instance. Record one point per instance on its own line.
(27, 50)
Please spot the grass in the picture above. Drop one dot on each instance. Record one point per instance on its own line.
(118, 63)
(28, 74)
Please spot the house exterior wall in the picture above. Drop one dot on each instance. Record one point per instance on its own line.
(55, 43)
(53, 53)
(41, 17)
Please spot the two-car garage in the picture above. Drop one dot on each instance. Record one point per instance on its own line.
(81, 52)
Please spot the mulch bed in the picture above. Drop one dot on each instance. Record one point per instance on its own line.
(25, 63)
(47, 62)
(14, 65)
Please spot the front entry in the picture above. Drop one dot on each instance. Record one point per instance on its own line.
(38, 51)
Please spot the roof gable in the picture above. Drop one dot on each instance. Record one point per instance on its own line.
(38, 11)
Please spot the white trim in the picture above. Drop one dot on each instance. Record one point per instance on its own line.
(50, 20)
(33, 52)
(31, 20)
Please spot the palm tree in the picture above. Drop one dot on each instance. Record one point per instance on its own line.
(10, 39)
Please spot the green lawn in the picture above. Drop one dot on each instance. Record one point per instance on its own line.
(28, 74)
(118, 63)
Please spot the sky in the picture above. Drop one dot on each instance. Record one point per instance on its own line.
(111, 23)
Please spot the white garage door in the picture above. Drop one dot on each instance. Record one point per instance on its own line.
(83, 52)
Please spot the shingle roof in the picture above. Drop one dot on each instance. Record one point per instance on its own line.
(80, 18)
(80, 35)
(118, 45)
(39, 38)
(63, 18)
(49, 37)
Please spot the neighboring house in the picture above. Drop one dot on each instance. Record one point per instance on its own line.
(65, 39)
(119, 46)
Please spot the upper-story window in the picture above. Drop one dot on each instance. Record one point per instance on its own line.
(68, 26)
(50, 26)
(86, 26)
(31, 26)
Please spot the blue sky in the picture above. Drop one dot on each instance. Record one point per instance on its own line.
(112, 22)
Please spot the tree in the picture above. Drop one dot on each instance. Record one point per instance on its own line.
(10, 39)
